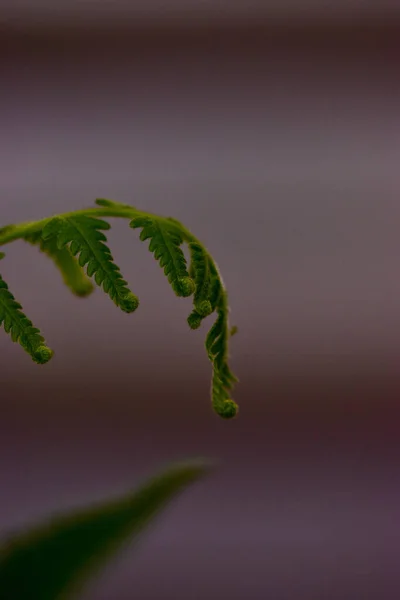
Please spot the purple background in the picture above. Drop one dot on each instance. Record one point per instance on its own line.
(279, 148)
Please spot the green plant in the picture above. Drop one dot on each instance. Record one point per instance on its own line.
(55, 559)
(76, 241)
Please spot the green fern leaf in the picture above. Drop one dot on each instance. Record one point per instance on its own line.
(216, 289)
(208, 280)
(215, 334)
(57, 558)
(20, 328)
(223, 405)
(85, 239)
(80, 233)
(201, 272)
(165, 244)
(223, 379)
(72, 274)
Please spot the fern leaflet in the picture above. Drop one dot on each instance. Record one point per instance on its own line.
(20, 328)
(165, 244)
(223, 379)
(201, 269)
(85, 239)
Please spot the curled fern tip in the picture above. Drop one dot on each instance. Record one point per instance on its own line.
(187, 286)
(204, 308)
(42, 355)
(194, 320)
(228, 409)
(129, 303)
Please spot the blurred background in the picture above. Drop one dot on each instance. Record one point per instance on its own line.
(271, 130)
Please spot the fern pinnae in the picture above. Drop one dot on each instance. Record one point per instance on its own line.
(76, 241)
(165, 244)
(214, 333)
(20, 328)
(85, 238)
(200, 265)
(216, 286)
(223, 379)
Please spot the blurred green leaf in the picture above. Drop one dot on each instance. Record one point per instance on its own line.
(55, 559)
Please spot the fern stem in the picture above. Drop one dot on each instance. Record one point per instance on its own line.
(10, 233)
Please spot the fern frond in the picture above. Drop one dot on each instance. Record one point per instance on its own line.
(76, 241)
(72, 274)
(84, 238)
(165, 244)
(20, 328)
